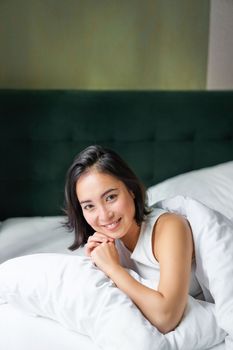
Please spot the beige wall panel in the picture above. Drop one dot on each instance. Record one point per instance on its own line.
(220, 58)
(96, 44)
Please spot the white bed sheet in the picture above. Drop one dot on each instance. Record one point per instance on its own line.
(20, 331)
(23, 236)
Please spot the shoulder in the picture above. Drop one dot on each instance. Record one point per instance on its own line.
(171, 232)
(171, 221)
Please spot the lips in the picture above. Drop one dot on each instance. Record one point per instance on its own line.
(112, 225)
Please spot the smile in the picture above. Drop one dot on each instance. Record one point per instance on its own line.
(113, 225)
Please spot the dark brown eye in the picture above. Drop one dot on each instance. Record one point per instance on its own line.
(111, 197)
(88, 207)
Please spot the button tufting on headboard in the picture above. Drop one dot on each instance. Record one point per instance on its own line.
(160, 134)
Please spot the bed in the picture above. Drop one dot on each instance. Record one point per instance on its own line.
(179, 143)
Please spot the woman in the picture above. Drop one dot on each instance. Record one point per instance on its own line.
(105, 205)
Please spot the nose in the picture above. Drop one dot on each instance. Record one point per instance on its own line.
(105, 215)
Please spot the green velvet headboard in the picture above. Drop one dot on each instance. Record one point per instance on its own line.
(160, 134)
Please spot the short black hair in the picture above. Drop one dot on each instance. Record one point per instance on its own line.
(105, 161)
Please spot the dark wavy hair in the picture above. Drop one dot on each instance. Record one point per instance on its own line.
(105, 161)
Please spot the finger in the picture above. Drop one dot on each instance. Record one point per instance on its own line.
(88, 251)
(101, 235)
(97, 239)
(109, 239)
(100, 238)
(96, 236)
(90, 247)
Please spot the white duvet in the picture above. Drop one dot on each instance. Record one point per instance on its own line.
(213, 241)
(73, 292)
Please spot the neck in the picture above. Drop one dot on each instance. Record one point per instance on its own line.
(131, 238)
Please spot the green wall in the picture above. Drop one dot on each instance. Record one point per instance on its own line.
(104, 44)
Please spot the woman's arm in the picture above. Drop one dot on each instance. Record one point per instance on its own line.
(172, 246)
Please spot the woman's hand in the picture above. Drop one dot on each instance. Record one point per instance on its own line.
(94, 241)
(106, 257)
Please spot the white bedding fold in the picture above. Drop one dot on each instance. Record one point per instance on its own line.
(73, 292)
(213, 240)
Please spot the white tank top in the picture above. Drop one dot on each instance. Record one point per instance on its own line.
(142, 259)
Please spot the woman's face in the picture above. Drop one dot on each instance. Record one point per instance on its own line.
(107, 204)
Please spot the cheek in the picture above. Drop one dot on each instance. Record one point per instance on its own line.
(129, 207)
(133, 210)
(89, 218)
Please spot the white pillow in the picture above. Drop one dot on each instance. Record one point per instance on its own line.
(75, 293)
(22, 236)
(212, 186)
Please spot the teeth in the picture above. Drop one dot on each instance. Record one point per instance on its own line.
(113, 224)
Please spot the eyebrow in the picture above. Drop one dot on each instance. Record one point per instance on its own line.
(102, 195)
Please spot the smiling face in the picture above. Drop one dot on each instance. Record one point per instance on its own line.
(107, 205)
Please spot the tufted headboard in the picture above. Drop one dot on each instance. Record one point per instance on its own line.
(160, 134)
